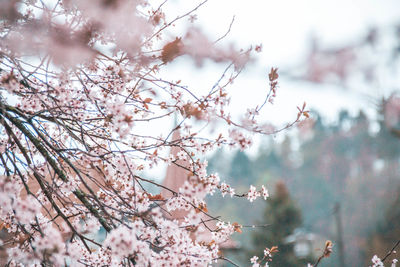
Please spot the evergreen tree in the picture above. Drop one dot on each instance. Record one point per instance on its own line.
(283, 217)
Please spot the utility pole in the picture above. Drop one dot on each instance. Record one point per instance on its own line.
(339, 229)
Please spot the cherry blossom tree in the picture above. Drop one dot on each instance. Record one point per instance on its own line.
(81, 96)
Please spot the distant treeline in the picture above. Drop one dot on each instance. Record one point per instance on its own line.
(353, 162)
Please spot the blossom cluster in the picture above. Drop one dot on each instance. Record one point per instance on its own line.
(267, 257)
(253, 194)
(377, 262)
(85, 115)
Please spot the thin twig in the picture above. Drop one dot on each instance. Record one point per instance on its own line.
(391, 251)
(227, 32)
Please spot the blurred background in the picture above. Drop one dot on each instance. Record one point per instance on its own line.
(335, 176)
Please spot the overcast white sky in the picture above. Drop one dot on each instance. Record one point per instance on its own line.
(284, 28)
